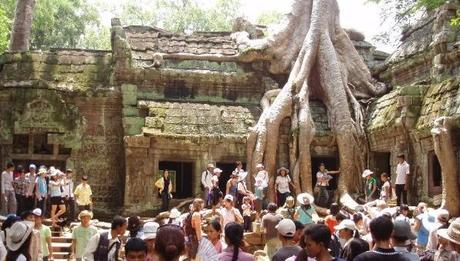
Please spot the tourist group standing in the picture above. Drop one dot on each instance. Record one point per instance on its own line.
(48, 189)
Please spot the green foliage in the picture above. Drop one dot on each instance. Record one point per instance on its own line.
(269, 17)
(181, 15)
(5, 25)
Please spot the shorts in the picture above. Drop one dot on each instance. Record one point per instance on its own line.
(57, 201)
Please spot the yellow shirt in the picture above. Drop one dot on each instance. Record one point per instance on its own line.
(83, 195)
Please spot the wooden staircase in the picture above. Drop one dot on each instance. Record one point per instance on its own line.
(61, 243)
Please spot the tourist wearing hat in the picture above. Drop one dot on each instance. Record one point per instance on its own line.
(347, 231)
(81, 234)
(206, 182)
(401, 239)
(286, 230)
(18, 241)
(243, 190)
(149, 237)
(370, 190)
(31, 176)
(41, 189)
(215, 195)
(83, 195)
(282, 183)
(449, 239)
(229, 212)
(45, 235)
(305, 212)
(9, 205)
(57, 202)
(262, 181)
(442, 221)
(402, 179)
(174, 215)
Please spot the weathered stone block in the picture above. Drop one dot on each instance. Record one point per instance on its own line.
(129, 94)
(133, 125)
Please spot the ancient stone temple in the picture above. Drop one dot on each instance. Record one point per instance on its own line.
(160, 100)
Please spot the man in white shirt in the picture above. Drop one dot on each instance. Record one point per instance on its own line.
(402, 180)
(9, 205)
(322, 183)
(206, 182)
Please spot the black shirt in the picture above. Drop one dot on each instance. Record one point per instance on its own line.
(381, 254)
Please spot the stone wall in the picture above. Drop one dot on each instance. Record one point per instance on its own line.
(66, 95)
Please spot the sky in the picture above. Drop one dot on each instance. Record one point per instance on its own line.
(357, 14)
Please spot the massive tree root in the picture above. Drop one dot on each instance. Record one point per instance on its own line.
(443, 146)
(326, 65)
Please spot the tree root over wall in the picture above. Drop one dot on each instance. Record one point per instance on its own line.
(444, 149)
(326, 64)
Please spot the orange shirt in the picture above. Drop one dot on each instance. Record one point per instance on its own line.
(331, 222)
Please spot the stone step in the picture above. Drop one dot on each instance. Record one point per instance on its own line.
(61, 255)
(61, 247)
(61, 239)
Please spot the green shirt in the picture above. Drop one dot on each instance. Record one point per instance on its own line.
(370, 184)
(45, 232)
(82, 235)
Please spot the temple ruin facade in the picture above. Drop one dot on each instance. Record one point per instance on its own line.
(160, 100)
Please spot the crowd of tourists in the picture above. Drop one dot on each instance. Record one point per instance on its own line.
(219, 225)
(48, 189)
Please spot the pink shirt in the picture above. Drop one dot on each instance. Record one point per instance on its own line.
(227, 255)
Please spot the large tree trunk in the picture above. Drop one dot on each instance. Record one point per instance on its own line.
(444, 150)
(322, 60)
(22, 26)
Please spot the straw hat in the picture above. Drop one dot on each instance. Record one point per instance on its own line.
(18, 234)
(281, 169)
(452, 233)
(85, 213)
(305, 198)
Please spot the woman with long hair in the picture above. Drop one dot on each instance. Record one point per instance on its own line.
(234, 239)
(55, 185)
(18, 242)
(192, 228)
(387, 192)
(164, 185)
(135, 227)
(214, 234)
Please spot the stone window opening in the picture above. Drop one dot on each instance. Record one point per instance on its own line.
(39, 146)
(434, 175)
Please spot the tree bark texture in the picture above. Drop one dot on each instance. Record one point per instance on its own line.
(444, 149)
(320, 59)
(22, 26)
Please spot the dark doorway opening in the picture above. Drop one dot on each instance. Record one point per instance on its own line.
(227, 169)
(381, 163)
(434, 175)
(182, 177)
(332, 163)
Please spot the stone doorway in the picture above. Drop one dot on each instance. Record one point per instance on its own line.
(434, 175)
(381, 163)
(183, 177)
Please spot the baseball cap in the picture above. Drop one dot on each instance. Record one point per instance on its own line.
(286, 227)
(150, 230)
(228, 197)
(37, 212)
(346, 224)
(367, 172)
(32, 166)
(401, 229)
